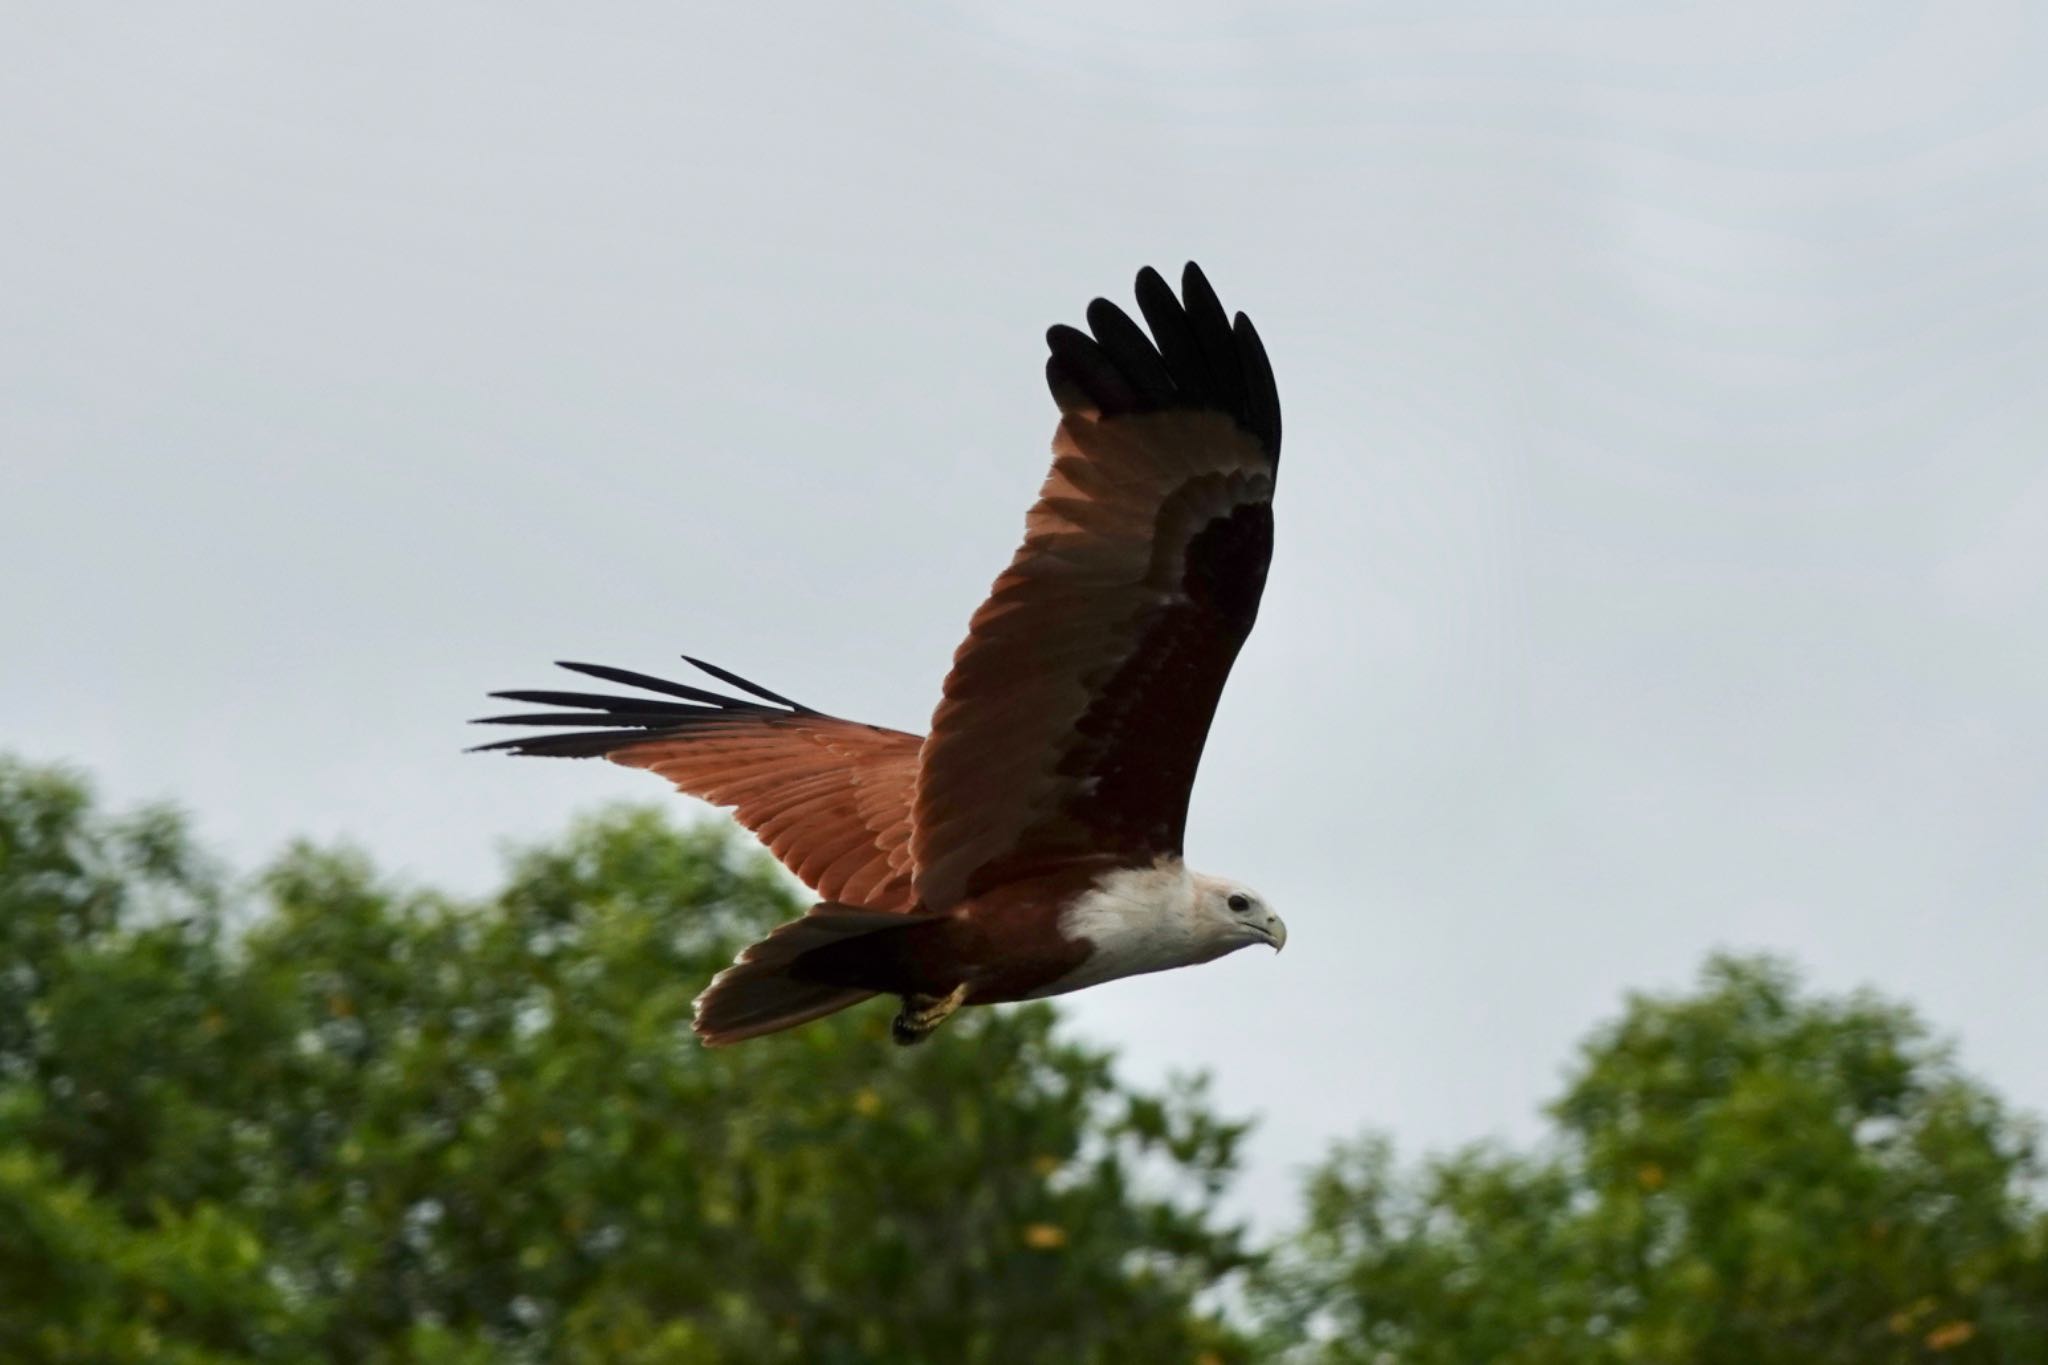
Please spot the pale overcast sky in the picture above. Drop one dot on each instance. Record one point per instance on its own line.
(1663, 552)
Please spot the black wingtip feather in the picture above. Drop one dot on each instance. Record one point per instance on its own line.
(1262, 398)
(628, 720)
(732, 679)
(1090, 370)
(1066, 390)
(1194, 359)
(598, 701)
(628, 678)
(568, 744)
(1127, 347)
(1176, 339)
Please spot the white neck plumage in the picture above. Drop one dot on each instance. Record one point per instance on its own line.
(1143, 919)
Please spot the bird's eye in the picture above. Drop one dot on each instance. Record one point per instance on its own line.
(1239, 902)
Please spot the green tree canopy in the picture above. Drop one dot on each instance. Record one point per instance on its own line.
(1746, 1174)
(324, 1116)
(319, 1115)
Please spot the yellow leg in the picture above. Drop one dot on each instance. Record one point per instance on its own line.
(922, 1014)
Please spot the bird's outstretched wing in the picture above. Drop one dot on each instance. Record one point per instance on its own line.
(829, 797)
(1074, 717)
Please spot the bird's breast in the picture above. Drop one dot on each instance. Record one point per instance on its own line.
(1132, 921)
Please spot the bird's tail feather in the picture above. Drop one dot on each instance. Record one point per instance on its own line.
(759, 994)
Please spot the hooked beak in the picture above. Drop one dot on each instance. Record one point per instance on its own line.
(1274, 931)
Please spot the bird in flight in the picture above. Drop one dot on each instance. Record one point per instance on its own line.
(1030, 845)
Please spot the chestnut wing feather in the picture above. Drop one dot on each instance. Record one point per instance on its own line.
(830, 798)
(1075, 715)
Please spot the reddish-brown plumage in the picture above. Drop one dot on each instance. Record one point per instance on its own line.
(830, 798)
(1071, 725)
(1077, 708)
(1004, 945)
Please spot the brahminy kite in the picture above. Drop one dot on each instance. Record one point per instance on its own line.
(1030, 845)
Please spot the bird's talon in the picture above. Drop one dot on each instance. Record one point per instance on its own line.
(921, 1015)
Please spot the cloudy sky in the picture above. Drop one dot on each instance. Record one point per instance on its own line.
(1663, 549)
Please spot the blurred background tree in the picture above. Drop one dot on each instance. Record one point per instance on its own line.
(323, 1116)
(327, 1117)
(1746, 1174)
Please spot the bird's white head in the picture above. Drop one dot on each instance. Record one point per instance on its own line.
(1236, 914)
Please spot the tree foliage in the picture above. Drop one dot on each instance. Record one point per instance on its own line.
(320, 1115)
(1747, 1174)
(324, 1116)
